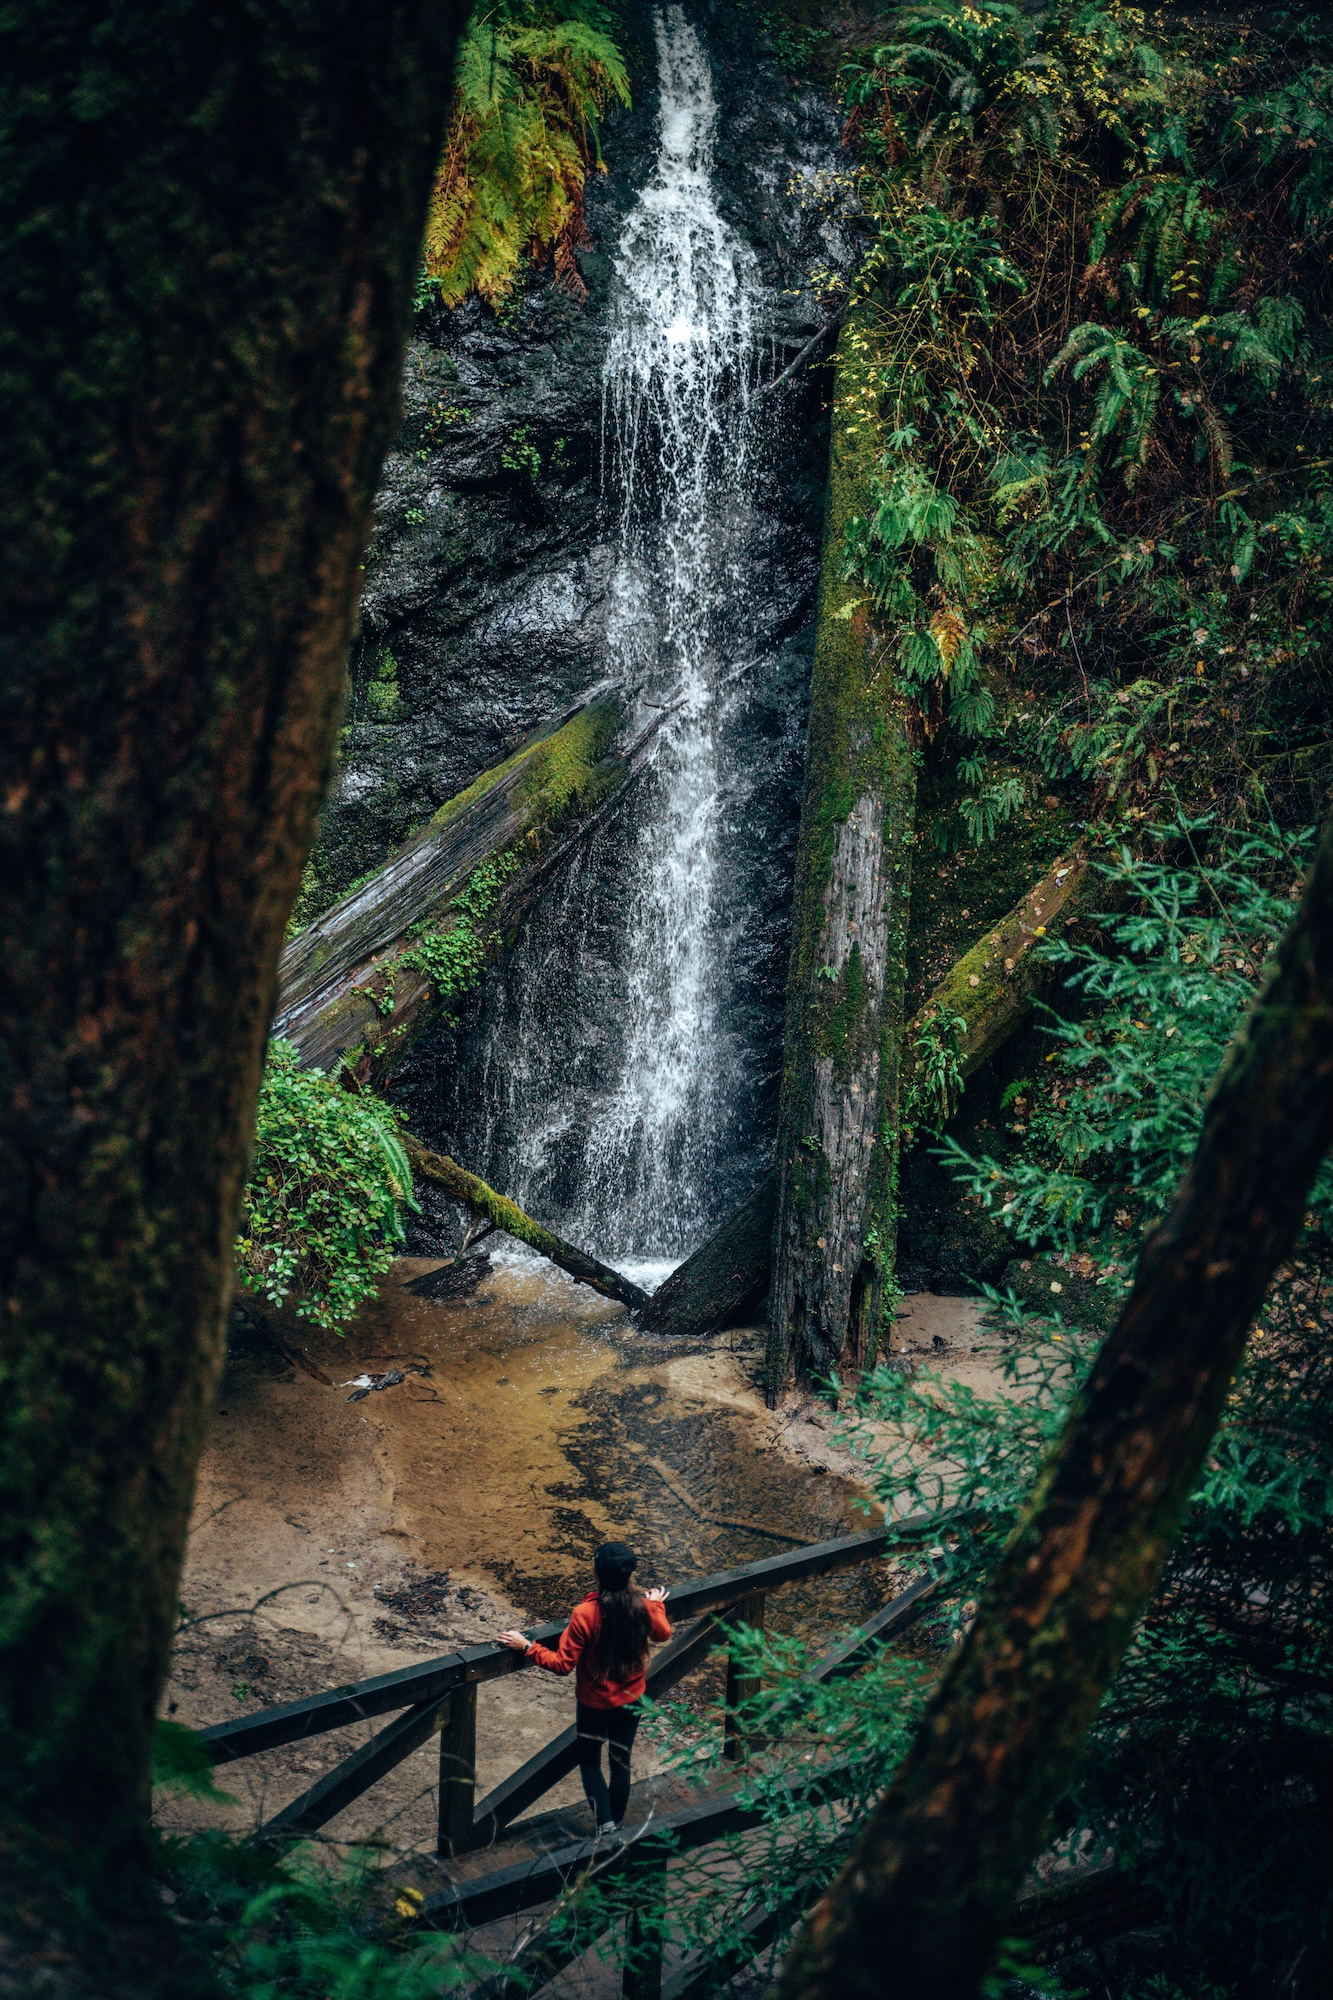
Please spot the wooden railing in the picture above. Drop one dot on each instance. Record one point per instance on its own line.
(440, 1696)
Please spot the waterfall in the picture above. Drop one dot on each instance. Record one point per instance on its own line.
(615, 1086)
(677, 417)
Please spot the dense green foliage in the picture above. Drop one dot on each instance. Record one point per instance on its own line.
(1108, 1134)
(325, 1199)
(534, 80)
(305, 1925)
(1101, 264)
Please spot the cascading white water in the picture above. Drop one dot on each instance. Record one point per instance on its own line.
(677, 420)
(614, 1085)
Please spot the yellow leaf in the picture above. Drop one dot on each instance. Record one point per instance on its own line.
(948, 631)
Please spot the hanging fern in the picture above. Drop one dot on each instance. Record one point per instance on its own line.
(534, 80)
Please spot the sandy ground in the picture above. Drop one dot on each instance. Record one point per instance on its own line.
(335, 1539)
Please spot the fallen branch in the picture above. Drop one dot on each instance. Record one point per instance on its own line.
(992, 987)
(829, 326)
(931, 1885)
(507, 1215)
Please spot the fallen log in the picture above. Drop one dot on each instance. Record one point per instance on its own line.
(725, 1279)
(507, 1215)
(985, 996)
(990, 992)
(367, 976)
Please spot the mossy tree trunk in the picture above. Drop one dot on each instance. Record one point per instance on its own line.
(980, 1001)
(928, 1892)
(212, 217)
(837, 1122)
(375, 969)
(986, 995)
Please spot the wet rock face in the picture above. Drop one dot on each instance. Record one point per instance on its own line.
(485, 600)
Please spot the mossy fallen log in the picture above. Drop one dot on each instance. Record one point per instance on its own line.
(507, 1215)
(978, 1004)
(984, 996)
(371, 972)
(837, 1121)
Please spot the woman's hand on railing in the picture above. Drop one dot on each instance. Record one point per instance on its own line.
(658, 1596)
(516, 1640)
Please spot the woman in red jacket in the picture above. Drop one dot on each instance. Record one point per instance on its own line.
(607, 1640)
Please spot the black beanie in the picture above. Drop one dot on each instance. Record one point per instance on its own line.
(615, 1563)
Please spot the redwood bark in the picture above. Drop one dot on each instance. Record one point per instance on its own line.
(929, 1890)
(837, 1120)
(210, 218)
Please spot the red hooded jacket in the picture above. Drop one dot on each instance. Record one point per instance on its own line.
(594, 1690)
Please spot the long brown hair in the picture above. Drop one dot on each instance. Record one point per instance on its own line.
(621, 1646)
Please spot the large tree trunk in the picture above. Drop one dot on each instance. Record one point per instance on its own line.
(928, 1892)
(211, 220)
(837, 1121)
(360, 977)
(989, 991)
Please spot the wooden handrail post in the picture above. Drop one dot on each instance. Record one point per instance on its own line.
(741, 1686)
(642, 1977)
(458, 1771)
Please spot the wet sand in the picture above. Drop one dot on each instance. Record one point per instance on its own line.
(335, 1539)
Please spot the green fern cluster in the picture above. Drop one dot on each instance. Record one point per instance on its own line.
(1003, 76)
(533, 81)
(1182, 251)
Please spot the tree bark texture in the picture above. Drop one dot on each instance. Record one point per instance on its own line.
(929, 1889)
(990, 990)
(210, 224)
(837, 1119)
(507, 1215)
(349, 982)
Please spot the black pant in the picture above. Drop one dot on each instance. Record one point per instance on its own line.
(615, 1727)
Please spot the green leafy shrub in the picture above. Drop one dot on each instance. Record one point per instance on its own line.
(1122, 1107)
(1098, 289)
(452, 958)
(323, 1208)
